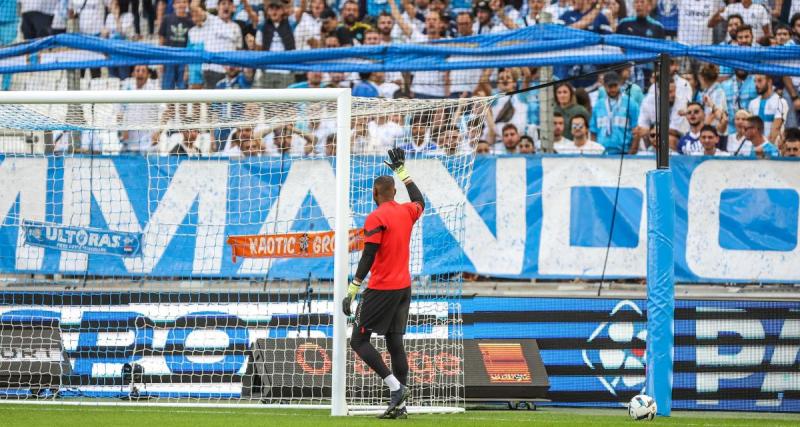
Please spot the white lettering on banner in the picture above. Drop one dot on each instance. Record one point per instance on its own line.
(98, 178)
(503, 254)
(556, 255)
(25, 179)
(704, 255)
(313, 176)
(708, 382)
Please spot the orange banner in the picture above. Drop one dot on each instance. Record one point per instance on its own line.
(315, 244)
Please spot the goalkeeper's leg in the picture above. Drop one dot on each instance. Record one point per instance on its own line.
(394, 343)
(359, 341)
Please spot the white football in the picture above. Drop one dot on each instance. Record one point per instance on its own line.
(642, 407)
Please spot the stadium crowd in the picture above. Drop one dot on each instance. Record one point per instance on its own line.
(714, 111)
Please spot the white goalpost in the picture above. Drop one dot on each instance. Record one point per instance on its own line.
(197, 271)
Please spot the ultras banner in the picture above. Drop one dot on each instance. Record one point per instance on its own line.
(524, 217)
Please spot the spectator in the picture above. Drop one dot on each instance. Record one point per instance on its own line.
(586, 16)
(770, 107)
(648, 118)
(692, 18)
(448, 142)
(508, 109)
(462, 82)
(647, 141)
(709, 139)
(558, 130)
(626, 86)
(385, 27)
(509, 141)
(186, 142)
(794, 23)
(783, 35)
(91, 15)
(684, 93)
(418, 138)
(530, 78)
(504, 13)
(526, 145)
(754, 15)
(426, 84)
(134, 115)
(307, 33)
(350, 32)
(732, 26)
(744, 36)
(533, 17)
(791, 84)
(483, 147)
(737, 143)
(313, 81)
(713, 96)
(174, 32)
(614, 117)
(641, 24)
(674, 139)
(615, 11)
(369, 86)
(60, 17)
(791, 143)
(228, 111)
(690, 142)
(37, 17)
(448, 19)
(484, 20)
(754, 131)
(567, 105)
(286, 140)
(740, 90)
(276, 36)
(118, 25)
(581, 143)
(214, 34)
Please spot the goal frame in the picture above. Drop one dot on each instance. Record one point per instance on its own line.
(343, 99)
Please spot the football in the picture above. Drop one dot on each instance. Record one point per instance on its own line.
(642, 407)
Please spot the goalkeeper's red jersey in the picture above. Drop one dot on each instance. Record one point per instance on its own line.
(390, 226)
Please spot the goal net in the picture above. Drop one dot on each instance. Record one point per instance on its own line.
(180, 247)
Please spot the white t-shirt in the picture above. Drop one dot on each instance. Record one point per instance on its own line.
(757, 16)
(219, 36)
(648, 117)
(92, 15)
(429, 83)
(693, 16)
(734, 143)
(566, 146)
(125, 29)
(308, 28)
(769, 110)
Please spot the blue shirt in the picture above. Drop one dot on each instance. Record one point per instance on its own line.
(599, 25)
(770, 150)
(613, 123)
(738, 96)
(666, 12)
(366, 90)
(8, 11)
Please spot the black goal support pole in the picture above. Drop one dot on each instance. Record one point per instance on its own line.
(664, 77)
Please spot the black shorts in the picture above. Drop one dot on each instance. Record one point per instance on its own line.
(383, 312)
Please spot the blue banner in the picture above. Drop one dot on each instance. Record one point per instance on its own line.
(522, 217)
(81, 239)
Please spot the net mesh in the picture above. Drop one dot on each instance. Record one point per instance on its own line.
(191, 247)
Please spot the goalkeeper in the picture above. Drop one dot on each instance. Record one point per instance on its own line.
(384, 304)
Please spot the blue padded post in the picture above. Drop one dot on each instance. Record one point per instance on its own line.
(660, 288)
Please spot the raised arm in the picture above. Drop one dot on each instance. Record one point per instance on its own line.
(404, 26)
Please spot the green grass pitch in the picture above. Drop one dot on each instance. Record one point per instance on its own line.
(90, 416)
